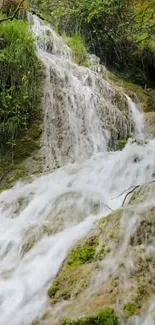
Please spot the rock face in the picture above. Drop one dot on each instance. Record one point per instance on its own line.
(150, 123)
(112, 267)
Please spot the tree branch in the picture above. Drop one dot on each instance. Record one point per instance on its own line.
(14, 14)
(133, 188)
(129, 194)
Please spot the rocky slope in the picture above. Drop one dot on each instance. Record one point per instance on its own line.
(112, 267)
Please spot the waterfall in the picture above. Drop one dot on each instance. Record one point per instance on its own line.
(42, 220)
(81, 113)
(138, 119)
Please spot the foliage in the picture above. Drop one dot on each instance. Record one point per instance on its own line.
(120, 32)
(105, 317)
(83, 254)
(20, 80)
(80, 54)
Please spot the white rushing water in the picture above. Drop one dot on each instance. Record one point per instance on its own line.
(138, 119)
(42, 220)
(81, 113)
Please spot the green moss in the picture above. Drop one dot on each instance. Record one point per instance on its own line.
(130, 309)
(110, 228)
(83, 254)
(105, 317)
(121, 144)
(29, 143)
(103, 252)
(74, 276)
(70, 282)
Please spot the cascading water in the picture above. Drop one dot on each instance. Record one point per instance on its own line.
(138, 119)
(80, 108)
(42, 220)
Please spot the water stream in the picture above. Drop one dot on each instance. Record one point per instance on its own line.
(42, 220)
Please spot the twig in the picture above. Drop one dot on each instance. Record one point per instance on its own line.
(123, 192)
(129, 193)
(135, 187)
(108, 207)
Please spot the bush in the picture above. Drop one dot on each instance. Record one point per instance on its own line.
(20, 80)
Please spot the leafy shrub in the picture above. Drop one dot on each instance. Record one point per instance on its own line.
(20, 81)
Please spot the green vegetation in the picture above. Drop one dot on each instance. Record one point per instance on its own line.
(122, 144)
(105, 317)
(130, 309)
(120, 32)
(80, 54)
(20, 94)
(83, 254)
(73, 277)
(19, 83)
(69, 283)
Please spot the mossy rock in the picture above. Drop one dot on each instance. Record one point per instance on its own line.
(83, 254)
(121, 144)
(144, 97)
(109, 237)
(74, 275)
(130, 309)
(28, 144)
(13, 165)
(149, 119)
(69, 283)
(143, 193)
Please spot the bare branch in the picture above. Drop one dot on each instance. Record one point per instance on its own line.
(130, 193)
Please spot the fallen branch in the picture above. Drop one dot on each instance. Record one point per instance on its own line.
(130, 193)
(134, 187)
(123, 192)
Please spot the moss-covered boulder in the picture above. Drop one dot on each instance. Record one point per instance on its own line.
(115, 263)
(74, 275)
